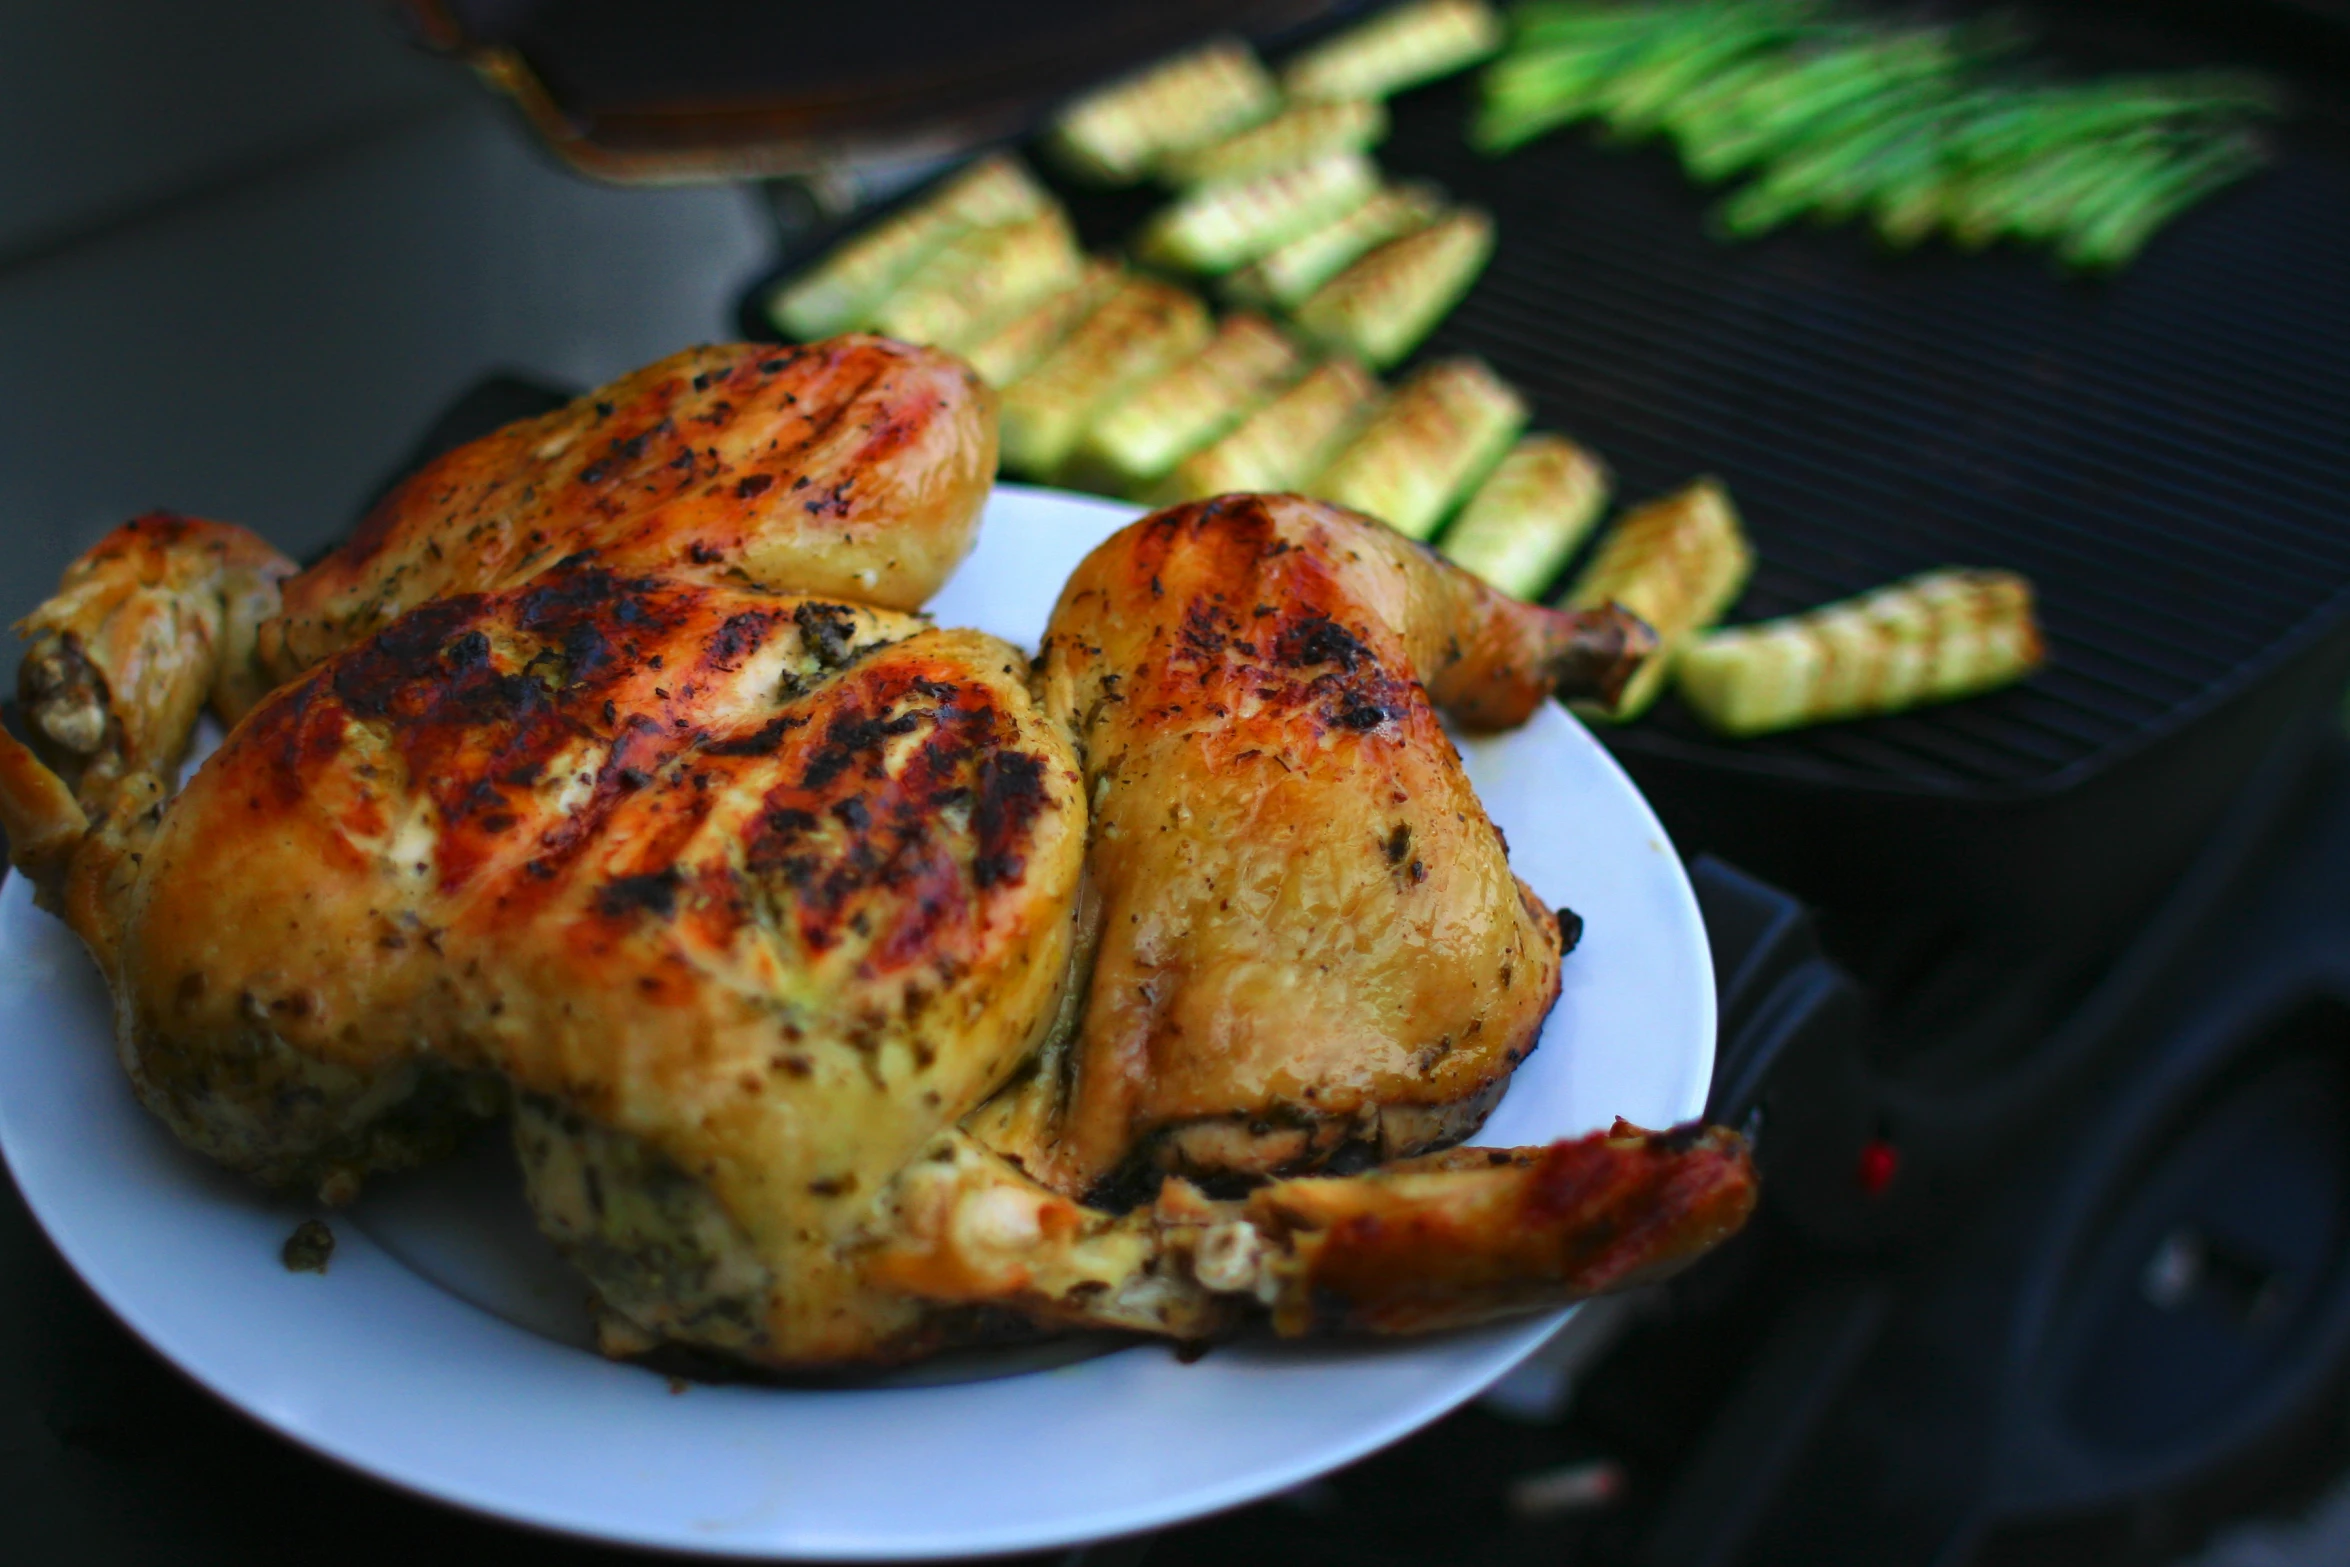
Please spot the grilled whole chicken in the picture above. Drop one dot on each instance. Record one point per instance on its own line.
(763, 906)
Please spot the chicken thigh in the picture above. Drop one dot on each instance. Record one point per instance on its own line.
(1305, 940)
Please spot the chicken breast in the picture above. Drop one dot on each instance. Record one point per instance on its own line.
(745, 896)
(853, 468)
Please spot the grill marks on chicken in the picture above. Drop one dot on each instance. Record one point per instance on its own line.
(605, 786)
(1308, 944)
(853, 468)
(748, 895)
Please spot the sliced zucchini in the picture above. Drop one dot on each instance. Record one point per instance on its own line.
(1298, 134)
(1282, 444)
(982, 278)
(1399, 48)
(1140, 329)
(1117, 134)
(1382, 306)
(1526, 519)
(1218, 227)
(1931, 638)
(1131, 447)
(1677, 563)
(1015, 348)
(841, 290)
(1426, 447)
(1312, 259)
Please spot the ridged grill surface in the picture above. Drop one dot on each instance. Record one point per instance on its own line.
(2166, 453)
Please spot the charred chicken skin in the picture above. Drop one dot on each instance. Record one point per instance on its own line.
(1305, 937)
(853, 468)
(605, 781)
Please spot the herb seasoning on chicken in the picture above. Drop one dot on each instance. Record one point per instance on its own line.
(606, 779)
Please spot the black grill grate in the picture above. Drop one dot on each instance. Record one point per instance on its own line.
(2166, 453)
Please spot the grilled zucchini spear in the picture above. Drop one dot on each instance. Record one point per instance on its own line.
(1428, 443)
(1142, 327)
(841, 290)
(1014, 348)
(1941, 635)
(1132, 447)
(1525, 520)
(1282, 444)
(1399, 48)
(1677, 563)
(1381, 307)
(1118, 134)
(981, 278)
(1289, 274)
(1298, 134)
(1217, 227)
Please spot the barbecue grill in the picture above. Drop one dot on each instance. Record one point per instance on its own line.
(2162, 452)
(2008, 888)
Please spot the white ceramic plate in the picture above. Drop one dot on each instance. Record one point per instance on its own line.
(443, 1351)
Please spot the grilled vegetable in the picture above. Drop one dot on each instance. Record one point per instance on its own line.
(1217, 227)
(1809, 96)
(1940, 635)
(1565, 67)
(1294, 271)
(1428, 443)
(1526, 519)
(1118, 134)
(1399, 48)
(1142, 327)
(1677, 563)
(1382, 306)
(1838, 114)
(1282, 444)
(841, 290)
(981, 278)
(1132, 446)
(1014, 348)
(1298, 134)
(2101, 235)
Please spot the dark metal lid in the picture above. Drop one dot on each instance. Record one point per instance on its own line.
(719, 89)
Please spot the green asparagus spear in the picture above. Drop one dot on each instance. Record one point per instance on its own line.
(1835, 118)
(2111, 237)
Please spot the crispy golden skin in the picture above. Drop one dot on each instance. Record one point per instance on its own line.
(853, 468)
(776, 888)
(742, 900)
(1306, 936)
(753, 904)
